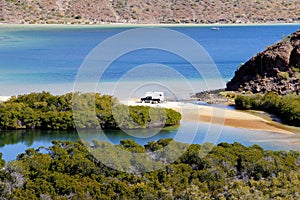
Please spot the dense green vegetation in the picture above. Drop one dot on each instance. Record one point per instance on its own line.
(286, 107)
(46, 111)
(67, 170)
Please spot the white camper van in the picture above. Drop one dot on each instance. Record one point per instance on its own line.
(153, 97)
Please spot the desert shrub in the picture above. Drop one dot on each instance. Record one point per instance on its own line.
(286, 107)
(67, 169)
(289, 109)
(283, 75)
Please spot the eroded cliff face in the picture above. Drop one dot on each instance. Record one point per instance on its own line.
(275, 69)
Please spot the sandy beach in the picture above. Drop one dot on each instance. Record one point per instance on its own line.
(221, 116)
(136, 25)
(4, 98)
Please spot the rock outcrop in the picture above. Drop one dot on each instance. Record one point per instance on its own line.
(275, 69)
(210, 96)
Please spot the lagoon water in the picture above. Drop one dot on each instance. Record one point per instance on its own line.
(13, 143)
(36, 58)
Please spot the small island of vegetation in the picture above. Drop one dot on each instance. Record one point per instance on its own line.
(46, 111)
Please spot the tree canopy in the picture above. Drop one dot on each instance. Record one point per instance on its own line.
(67, 170)
(92, 110)
(287, 107)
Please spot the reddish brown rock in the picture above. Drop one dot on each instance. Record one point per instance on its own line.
(279, 64)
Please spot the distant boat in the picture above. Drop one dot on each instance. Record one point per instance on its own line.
(215, 28)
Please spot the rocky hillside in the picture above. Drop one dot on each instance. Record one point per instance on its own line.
(148, 11)
(275, 69)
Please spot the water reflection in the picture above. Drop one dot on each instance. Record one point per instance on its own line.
(29, 137)
(14, 142)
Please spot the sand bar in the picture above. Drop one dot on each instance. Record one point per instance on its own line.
(210, 114)
(136, 25)
(221, 116)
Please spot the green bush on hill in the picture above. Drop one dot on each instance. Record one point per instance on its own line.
(286, 107)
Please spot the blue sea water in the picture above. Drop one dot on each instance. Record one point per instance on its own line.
(48, 58)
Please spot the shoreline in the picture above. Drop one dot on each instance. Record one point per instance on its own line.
(220, 116)
(216, 115)
(238, 119)
(132, 25)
